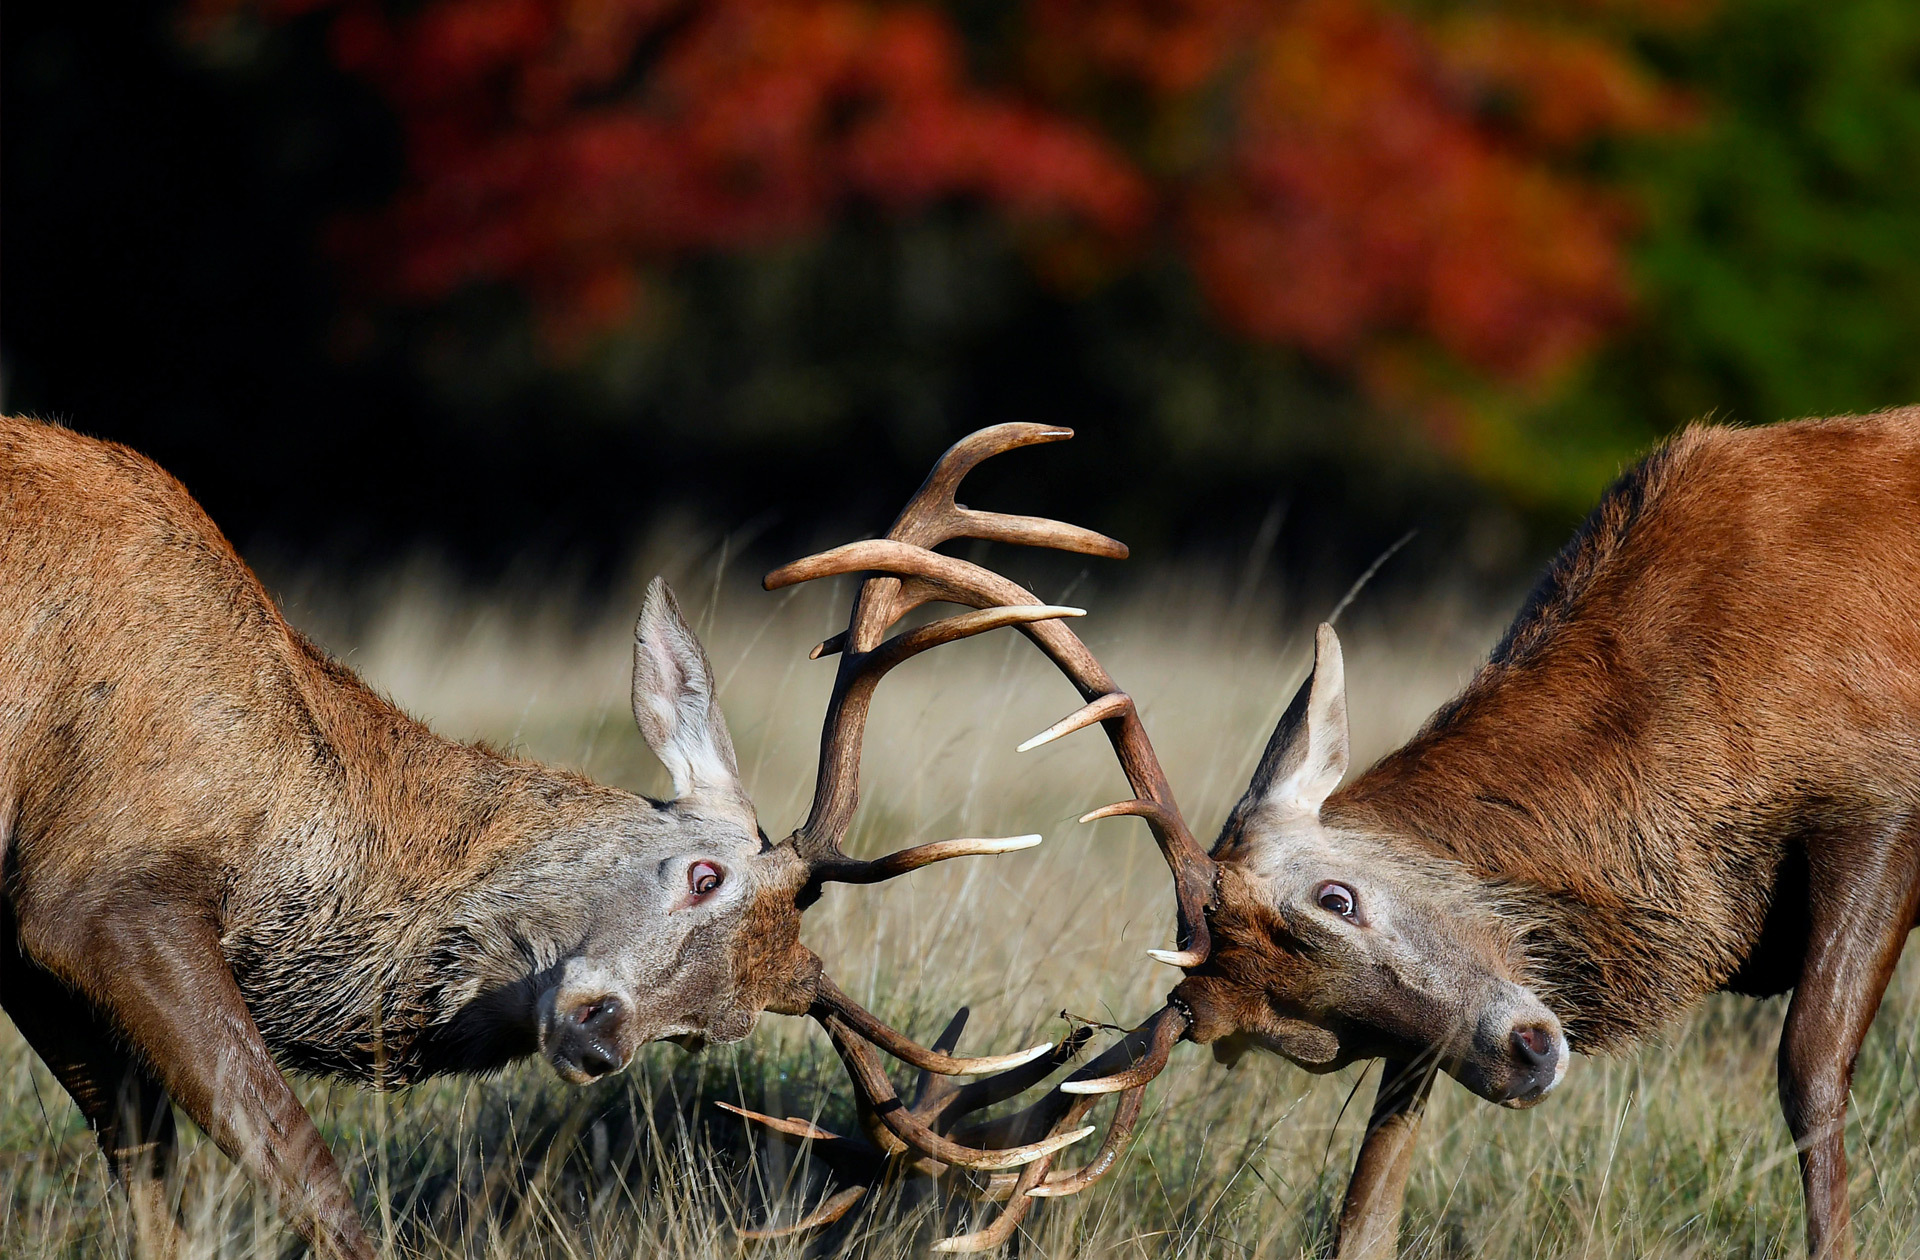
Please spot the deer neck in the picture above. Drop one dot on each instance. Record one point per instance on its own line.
(1630, 884)
(401, 876)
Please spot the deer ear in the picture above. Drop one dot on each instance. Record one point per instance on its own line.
(675, 704)
(1307, 756)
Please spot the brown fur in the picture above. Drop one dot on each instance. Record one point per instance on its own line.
(218, 843)
(1717, 679)
(1693, 763)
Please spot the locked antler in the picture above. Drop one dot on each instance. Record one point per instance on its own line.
(912, 578)
(909, 574)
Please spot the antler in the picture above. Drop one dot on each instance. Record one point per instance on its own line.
(921, 576)
(940, 1105)
(907, 573)
(911, 575)
(930, 518)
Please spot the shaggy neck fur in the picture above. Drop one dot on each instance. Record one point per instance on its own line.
(404, 933)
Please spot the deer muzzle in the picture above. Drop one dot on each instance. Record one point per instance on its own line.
(1518, 1054)
(586, 1037)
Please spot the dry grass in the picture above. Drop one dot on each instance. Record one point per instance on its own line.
(1677, 1151)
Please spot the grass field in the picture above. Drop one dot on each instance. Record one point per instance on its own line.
(1675, 1151)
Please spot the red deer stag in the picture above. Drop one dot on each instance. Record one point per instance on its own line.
(223, 853)
(1691, 764)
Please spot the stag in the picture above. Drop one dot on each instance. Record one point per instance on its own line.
(223, 854)
(1688, 766)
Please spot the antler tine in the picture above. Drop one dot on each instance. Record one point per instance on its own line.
(793, 1126)
(863, 1064)
(830, 1002)
(821, 1217)
(958, 581)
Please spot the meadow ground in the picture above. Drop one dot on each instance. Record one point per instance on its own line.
(1675, 1151)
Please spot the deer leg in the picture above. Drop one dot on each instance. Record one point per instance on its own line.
(1858, 925)
(1370, 1215)
(131, 1115)
(159, 977)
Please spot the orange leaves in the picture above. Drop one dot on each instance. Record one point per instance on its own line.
(1344, 176)
(1169, 46)
(1558, 88)
(561, 144)
(1364, 200)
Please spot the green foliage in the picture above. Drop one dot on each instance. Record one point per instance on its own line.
(1779, 269)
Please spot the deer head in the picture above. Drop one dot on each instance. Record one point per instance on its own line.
(693, 926)
(1331, 944)
(697, 934)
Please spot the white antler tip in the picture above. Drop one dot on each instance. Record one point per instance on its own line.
(1005, 844)
(1028, 1055)
(1100, 1085)
(1033, 612)
(1176, 957)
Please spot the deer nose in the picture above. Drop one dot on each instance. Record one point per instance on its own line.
(599, 1016)
(1533, 1045)
(590, 1040)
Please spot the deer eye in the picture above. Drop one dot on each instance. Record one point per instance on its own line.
(704, 877)
(1338, 899)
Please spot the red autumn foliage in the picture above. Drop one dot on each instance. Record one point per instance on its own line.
(1342, 175)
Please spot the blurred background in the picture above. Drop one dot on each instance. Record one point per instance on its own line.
(500, 279)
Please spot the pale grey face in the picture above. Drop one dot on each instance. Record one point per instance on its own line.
(1331, 946)
(693, 927)
(1404, 961)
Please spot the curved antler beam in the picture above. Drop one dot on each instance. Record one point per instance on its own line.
(1161, 1031)
(1119, 1137)
(831, 1002)
(864, 1065)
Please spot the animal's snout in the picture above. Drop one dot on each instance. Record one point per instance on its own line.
(590, 1037)
(1533, 1044)
(1519, 1052)
(1538, 1051)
